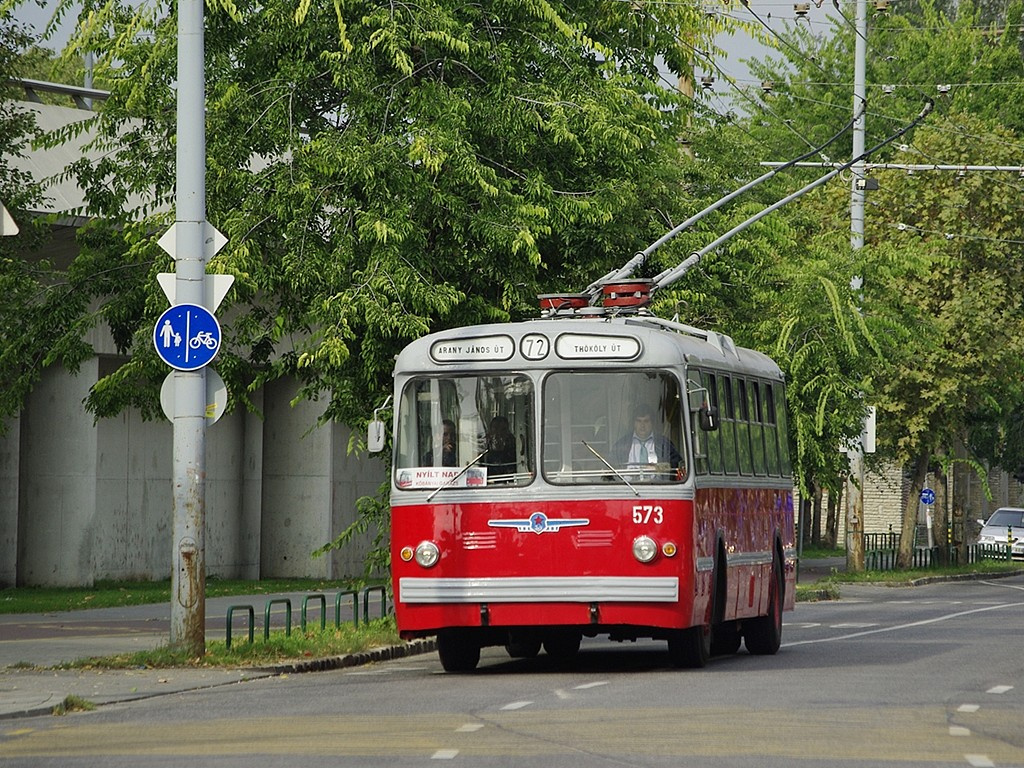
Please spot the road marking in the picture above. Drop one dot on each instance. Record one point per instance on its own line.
(959, 730)
(469, 727)
(979, 761)
(587, 686)
(999, 689)
(517, 705)
(444, 754)
(897, 627)
(968, 708)
(855, 625)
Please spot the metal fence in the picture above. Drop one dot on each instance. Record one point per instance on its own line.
(881, 550)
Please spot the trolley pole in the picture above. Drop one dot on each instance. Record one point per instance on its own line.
(188, 581)
(855, 480)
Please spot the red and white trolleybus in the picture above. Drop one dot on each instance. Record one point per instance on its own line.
(596, 471)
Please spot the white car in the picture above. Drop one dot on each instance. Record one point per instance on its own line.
(1005, 524)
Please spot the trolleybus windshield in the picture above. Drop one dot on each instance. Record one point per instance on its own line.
(465, 431)
(610, 427)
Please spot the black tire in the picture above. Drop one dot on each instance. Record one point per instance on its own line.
(690, 648)
(522, 646)
(563, 646)
(458, 650)
(763, 635)
(725, 639)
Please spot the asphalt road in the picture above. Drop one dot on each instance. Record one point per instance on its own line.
(910, 677)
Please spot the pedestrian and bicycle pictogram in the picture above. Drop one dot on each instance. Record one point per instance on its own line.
(187, 337)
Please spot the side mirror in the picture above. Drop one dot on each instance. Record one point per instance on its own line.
(375, 436)
(708, 417)
(375, 430)
(981, 522)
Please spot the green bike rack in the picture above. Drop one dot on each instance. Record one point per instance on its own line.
(252, 622)
(323, 610)
(355, 607)
(366, 602)
(287, 603)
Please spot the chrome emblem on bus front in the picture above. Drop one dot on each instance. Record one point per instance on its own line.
(538, 522)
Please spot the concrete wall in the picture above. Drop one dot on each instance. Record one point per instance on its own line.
(57, 482)
(9, 460)
(81, 501)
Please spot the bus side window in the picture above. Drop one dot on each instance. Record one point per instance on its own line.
(712, 439)
(780, 416)
(730, 460)
(743, 427)
(756, 427)
(771, 431)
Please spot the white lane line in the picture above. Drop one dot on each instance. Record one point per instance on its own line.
(968, 708)
(469, 727)
(444, 754)
(517, 705)
(855, 625)
(979, 761)
(897, 627)
(999, 689)
(959, 730)
(587, 686)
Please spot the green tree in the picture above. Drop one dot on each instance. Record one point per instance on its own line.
(381, 170)
(940, 277)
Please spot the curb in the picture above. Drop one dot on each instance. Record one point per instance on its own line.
(412, 648)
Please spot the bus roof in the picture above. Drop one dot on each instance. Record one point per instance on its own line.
(580, 342)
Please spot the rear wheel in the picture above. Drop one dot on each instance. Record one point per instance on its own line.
(563, 646)
(763, 635)
(522, 645)
(458, 650)
(725, 639)
(690, 648)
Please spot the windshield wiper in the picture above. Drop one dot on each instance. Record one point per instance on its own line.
(461, 473)
(613, 469)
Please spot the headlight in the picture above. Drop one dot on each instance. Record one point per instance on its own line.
(644, 549)
(427, 554)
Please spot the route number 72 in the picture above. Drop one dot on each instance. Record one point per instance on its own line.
(648, 513)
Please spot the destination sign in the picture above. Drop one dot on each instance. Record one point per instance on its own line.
(578, 346)
(477, 349)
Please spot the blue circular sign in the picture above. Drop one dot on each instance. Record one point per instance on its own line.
(187, 337)
(927, 496)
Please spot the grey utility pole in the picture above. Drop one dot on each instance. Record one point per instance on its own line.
(855, 481)
(188, 581)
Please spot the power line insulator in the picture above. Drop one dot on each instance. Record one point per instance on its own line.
(767, 86)
(881, 6)
(801, 9)
(943, 89)
(888, 90)
(707, 82)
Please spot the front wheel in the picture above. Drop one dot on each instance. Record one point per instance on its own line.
(458, 650)
(763, 635)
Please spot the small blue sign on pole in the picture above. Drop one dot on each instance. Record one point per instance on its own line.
(927, 496)
(187, 337)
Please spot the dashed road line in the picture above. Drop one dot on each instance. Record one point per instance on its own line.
(517, 705)
(959, 730)
(469, 727)
(999, 689)
(444, 754)
(968, 708)
(587, 686)
(979, 761)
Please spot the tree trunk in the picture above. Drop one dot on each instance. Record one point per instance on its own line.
(905, 557)
(940, 517)
(835, 498)
(816, 517)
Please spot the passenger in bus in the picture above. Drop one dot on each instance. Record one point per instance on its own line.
(643, 446)
(500, 458)
(449, 455)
